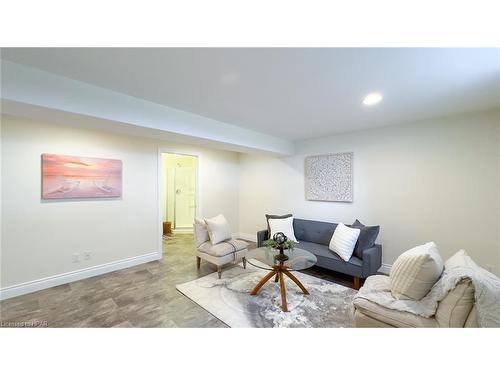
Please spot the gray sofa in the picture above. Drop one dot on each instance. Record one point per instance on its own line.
(315, 237)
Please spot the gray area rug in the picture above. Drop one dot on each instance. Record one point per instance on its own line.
(229, 299)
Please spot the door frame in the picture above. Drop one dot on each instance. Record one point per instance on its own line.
(161, 201)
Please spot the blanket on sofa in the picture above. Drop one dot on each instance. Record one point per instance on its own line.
(460, 266)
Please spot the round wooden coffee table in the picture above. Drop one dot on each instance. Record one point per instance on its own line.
(265, 258)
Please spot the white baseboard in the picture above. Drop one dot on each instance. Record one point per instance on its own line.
(385, 268)
(245, 236)
(68, 277)
(182, 230)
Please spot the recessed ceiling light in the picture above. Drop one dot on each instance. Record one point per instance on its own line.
(372, 98)
(229, 78)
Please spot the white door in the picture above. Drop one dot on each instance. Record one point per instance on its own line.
(185, 196)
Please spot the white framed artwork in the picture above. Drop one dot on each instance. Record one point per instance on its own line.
(329, 177)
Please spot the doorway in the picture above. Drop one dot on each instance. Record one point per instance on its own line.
(179, 173)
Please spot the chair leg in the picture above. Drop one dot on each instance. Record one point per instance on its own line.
(219, 271)
(244, 263)
(198, 262)
(357, 282)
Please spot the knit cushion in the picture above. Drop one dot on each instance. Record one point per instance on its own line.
(343, 241)
(415, 272)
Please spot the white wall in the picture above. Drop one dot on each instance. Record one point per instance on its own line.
(498, 231)
(431, 181)
(39, 238)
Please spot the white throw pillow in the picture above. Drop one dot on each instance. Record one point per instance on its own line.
(415, 272)
(218, 229)
(343, 241)
(200, 232)
(282, 225)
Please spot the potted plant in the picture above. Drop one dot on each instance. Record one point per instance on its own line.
(281, 243)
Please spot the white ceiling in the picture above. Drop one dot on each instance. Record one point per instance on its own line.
(294, 93)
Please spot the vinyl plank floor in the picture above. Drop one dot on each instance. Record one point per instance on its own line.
(140, 296)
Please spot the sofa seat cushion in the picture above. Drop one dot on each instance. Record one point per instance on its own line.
(329, 260)
(222, 248)
(393, 318)
(324, 251)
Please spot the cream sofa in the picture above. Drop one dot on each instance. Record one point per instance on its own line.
(457, 309)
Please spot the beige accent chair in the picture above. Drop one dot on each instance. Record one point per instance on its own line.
(229, 251)
(456, 310)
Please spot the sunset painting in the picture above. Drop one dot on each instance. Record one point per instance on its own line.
(65, 177)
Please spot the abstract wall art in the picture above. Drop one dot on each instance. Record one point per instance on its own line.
(329, 177)
(69, 177)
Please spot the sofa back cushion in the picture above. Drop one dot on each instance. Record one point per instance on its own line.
(313, 231)
(454, 309)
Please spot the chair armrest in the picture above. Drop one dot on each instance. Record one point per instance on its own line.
(372, 260)
(261, 237)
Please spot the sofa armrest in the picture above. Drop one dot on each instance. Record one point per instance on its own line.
(262, 236)
(372, 260)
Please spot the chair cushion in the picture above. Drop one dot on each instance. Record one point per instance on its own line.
(415, 272)
(222, 248)
(454, 309)
(218, 229)
(366, 239)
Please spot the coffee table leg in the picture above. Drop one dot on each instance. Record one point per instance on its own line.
(296, 281)
(284, 305)
(264, 280)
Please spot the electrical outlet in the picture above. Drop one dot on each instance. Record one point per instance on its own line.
(76, 257)
(87, 255)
